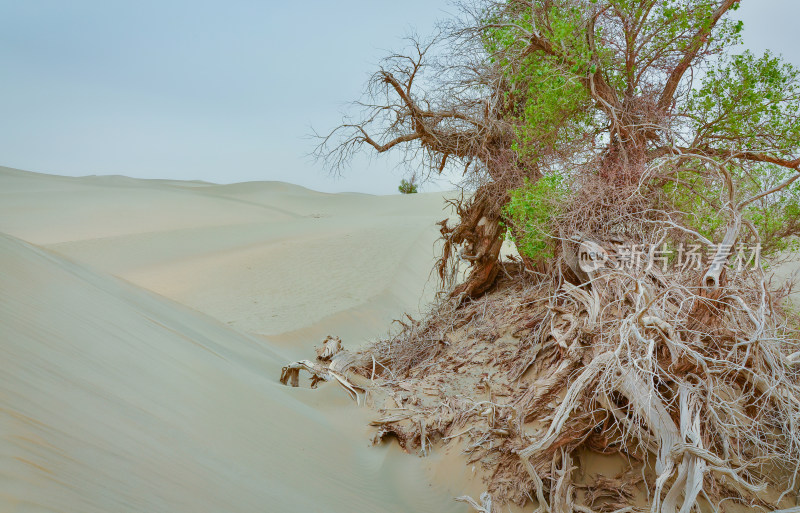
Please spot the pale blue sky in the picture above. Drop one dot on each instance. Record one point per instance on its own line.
(213, 90)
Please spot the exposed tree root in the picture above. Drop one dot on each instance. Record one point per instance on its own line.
(540, 372)
(478, 234)
(484, 507)
(333, 363)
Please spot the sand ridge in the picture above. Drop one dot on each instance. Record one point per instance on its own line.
(116, 399)
(133, 376)
(264, 257)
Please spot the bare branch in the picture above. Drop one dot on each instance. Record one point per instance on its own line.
(700, 39)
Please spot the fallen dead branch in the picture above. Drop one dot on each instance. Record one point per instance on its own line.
(332, 365)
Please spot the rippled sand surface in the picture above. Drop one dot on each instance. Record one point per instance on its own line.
(143, 325)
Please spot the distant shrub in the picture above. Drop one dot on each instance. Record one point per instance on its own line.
(407, 187)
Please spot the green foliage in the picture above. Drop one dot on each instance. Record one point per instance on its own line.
(775, 215)
(670, 25)
(744, 104)
(699, 198)
(547, 100)
(742, 99)
(531, 211)
(407, 187)
(556, 109)
(726, 105)
(548, 95)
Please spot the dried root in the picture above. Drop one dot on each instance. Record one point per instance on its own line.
(484, 507)
(539, 373)
(338, 362)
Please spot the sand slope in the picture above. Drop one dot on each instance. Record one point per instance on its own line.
(264, 257)
(115, 399)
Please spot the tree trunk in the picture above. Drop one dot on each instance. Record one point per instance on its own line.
(479, 235)
(484, 257)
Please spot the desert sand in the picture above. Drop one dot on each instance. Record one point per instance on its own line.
(143, 325)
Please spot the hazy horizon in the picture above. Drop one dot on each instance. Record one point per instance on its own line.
(216, 92)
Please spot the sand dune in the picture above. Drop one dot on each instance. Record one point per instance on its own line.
(116, 398)
(265, 257)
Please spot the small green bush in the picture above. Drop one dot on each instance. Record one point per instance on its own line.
(407, 187)
(531, 211)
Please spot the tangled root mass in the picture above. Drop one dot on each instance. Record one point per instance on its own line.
(698, 394)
